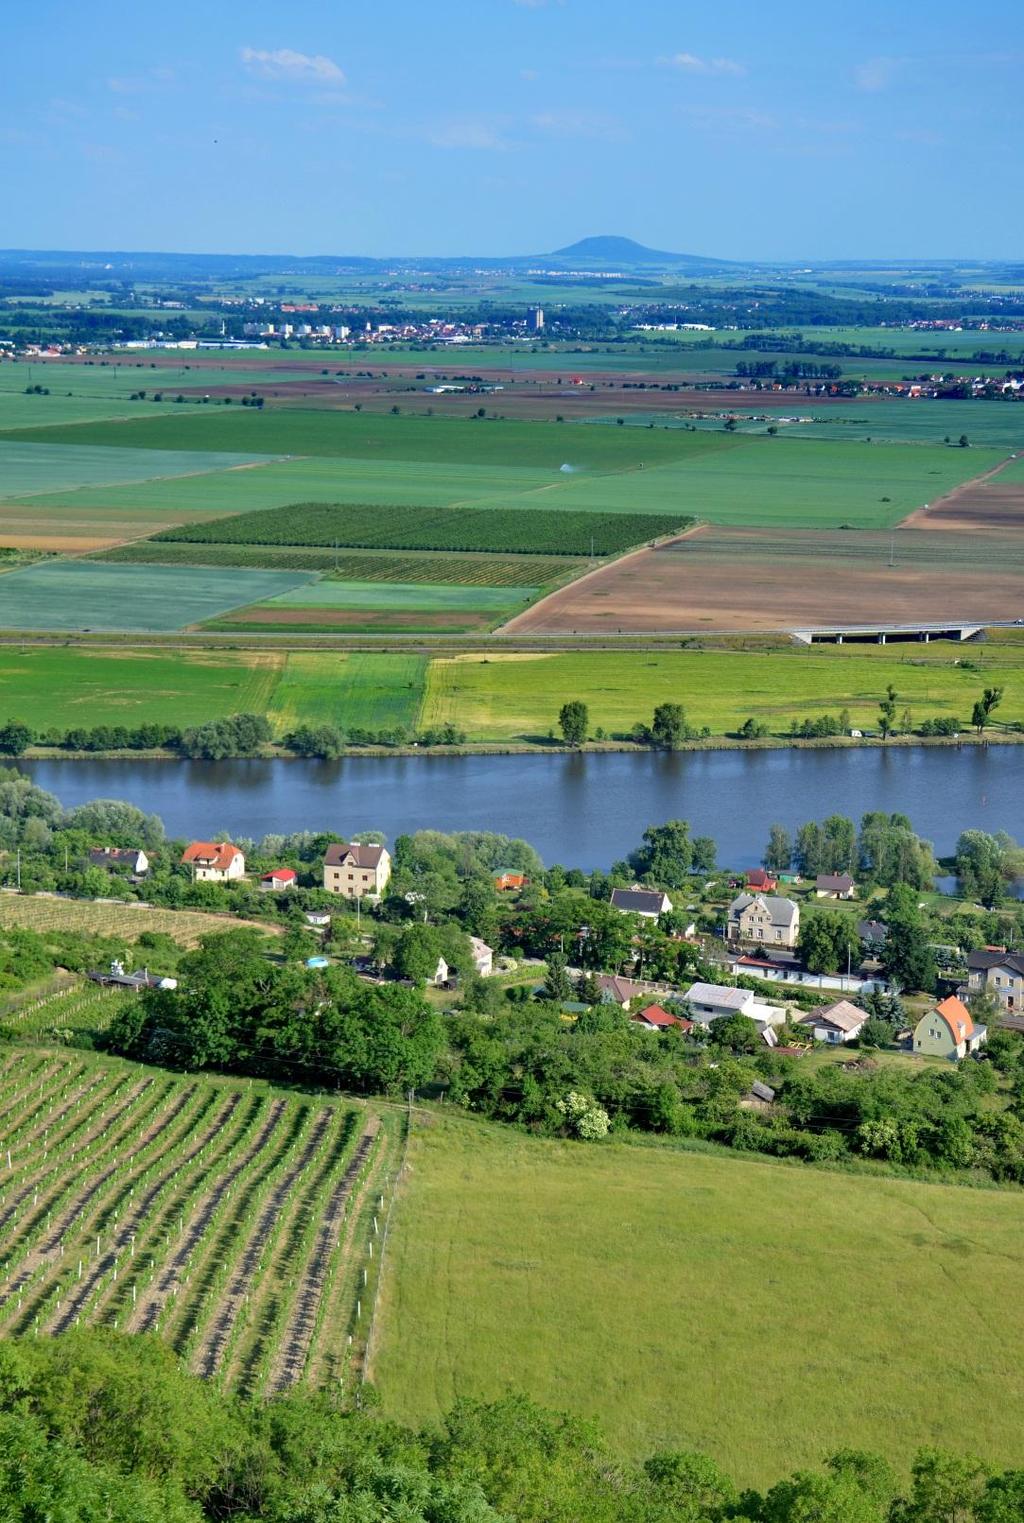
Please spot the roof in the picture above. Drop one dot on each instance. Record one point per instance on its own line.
(995, 957)
(657, 1015)
(103, 854)
(762, 1091)
(834, 883)
(872, 930)
(640, 901)
(782, 911)
(758, 877)
(844, 1015)
(279, 875)
(722, 995)
(957, 1017)
(341, 852)
(621, 989)
(217, 854)
(480, 948)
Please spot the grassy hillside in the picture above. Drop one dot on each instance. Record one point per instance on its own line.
(702, 1302)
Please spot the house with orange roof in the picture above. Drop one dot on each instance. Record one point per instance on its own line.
(214, 861)
(948, 1031)
(657, 1018)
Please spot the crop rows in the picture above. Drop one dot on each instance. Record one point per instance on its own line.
(456, 569)
(122, 922)
(217, 1215)
(79, 1007)
(524, 531)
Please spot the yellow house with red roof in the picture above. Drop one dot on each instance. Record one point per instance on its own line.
(948, 1031)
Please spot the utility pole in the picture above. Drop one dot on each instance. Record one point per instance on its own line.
(19, 869)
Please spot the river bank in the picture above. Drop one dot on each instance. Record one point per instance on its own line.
(582, 809)
(556, 748)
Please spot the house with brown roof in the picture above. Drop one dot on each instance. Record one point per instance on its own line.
(657, 1018)
(214, 861)
(834, 886)
(840, 1022)
(948, 1031)
(356, 871)
(114, 858)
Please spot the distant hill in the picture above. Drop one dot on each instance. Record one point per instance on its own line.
(620, 250)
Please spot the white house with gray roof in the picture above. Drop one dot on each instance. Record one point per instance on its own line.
(764, 918)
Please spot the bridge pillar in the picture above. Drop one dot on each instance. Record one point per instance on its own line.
(881, 639)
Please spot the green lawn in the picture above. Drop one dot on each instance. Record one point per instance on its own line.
(710, 1303)
(87, 595)
(501, 697)
(353, 690)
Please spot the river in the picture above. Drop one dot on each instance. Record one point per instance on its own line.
(583, 811)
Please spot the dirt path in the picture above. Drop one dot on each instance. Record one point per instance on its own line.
(293, 1348)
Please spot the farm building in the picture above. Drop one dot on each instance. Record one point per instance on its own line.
(840, 1022)
(834, 886)
(356, 871)
(114, 857)
(214, 861)
(278, 880)
(765, 918)
(650, 903)
(948, 1031)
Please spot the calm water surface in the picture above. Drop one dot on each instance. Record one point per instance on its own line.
(584, 811)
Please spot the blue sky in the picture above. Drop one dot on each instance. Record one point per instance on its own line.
(741, 129)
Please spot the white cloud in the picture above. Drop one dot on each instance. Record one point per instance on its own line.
(296, 68)
(581, 124)
(740, 119)
(468, 132)
(874, 75)
(689, 63)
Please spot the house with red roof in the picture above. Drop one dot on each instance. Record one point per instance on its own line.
(278, 880)
(949, 1031)
(761, 881)
(214, 861)
(657, 1018)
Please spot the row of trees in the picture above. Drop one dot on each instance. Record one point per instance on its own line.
(93, 1425)
(884, 849)
(237, 735)
(667, 731)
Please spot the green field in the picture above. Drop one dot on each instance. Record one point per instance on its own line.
(707, 1303)
(524, 531)
(65, 687)
(338, 594)
(504, 697)
(354, 690)
(78, 594)
(30, 468)
(463, 568)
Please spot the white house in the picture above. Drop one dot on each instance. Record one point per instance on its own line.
(483, 957)
(840, 1022)
(355, 870)
(765, 918)
(782, 970)
(714, 1002)
(439, 977)
(641, 901)
(214, 861)
(111, 857)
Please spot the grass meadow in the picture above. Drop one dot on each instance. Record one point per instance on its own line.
(703, 1302)
(354, 689)
(27, 468)
(86, 595)
(510, 696)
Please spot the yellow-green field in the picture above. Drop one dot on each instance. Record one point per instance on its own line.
(703, 1302)
(502, 697)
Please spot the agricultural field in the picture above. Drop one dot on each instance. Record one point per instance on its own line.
(643, 1282)
(84, 595)
(353, 689)
(234, 1222)
(65, 687)
(996, 425)
(353, 606)
(517, 696)
(34, 467)
(124, 921)
(461, 568)
(525, 531)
